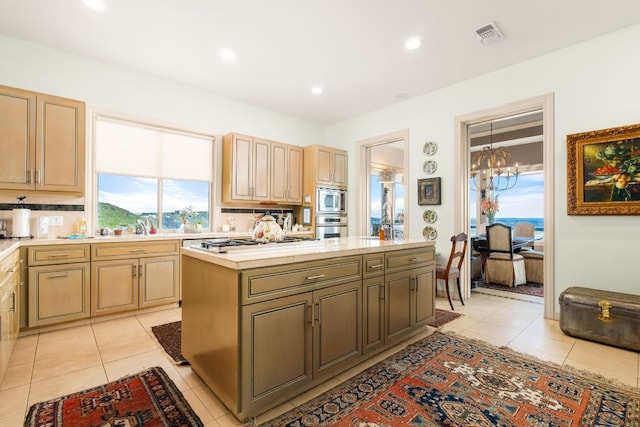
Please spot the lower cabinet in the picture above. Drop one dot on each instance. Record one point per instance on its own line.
(409, 299)
(76, 281)
(294, 340)
(59, 280)
(124, 285)
(258, 337)
(9, 315)
(58, 293)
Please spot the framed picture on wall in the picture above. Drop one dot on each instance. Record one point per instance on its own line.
(603, 172)
(429, 191)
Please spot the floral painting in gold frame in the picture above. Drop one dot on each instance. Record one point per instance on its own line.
(603, 172)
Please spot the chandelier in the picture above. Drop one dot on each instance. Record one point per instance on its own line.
(488, 173)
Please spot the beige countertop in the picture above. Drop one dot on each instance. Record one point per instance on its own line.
(276, 254)
(139, 238)
(9, 245)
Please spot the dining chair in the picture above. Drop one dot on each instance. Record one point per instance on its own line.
(503, 266)
(533, 260)
(451, 270)
(525, 229)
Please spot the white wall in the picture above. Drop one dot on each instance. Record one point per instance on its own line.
(595, 84)
(105, 87)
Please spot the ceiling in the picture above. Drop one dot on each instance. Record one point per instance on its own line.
(354, 49)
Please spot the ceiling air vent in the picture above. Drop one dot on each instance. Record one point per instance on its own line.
(489, 33)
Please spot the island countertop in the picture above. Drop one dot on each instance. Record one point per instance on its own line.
(276, 254)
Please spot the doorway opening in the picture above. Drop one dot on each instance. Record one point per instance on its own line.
(382, 200)
(465, 125)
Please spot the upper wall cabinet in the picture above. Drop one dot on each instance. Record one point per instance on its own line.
(286, 173)
(325, 165)
(245, 168)
(259, 170)
(42, 142)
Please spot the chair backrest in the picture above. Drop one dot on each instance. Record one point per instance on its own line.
(524, 229)
(499, 239)
(459, 244)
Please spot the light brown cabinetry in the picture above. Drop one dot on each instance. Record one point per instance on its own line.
(286, 173)
(325, 166)
(295, 325)
(409, 292)
(373, 298)
(58, 283)
(258, 170)
(42, 142)
(128, 276)
(246, 168)
(9, 315)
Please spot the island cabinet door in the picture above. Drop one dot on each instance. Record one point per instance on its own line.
(337, 326)
(276, 350)
(373, 313)
(398, 304)
(425, 296)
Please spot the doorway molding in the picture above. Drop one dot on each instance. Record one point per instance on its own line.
(364, 167)
(462, 176)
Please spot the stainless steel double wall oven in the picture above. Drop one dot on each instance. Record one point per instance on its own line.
(331, 212)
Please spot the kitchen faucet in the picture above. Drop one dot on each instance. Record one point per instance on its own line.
(145, 228)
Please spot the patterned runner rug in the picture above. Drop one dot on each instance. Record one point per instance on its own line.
(443, 317)
(168, 335)
(148, 398)
(453, 381)
(528, 289)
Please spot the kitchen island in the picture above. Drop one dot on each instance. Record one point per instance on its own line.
(262, 325)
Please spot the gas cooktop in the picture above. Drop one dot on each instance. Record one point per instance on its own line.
(225, 245)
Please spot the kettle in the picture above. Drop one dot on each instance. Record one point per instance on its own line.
(267, 230)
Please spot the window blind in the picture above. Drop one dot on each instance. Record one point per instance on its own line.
(129, 148)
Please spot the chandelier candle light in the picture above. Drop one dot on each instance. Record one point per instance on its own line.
(492, 178)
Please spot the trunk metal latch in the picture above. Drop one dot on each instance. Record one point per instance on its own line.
(605, 315)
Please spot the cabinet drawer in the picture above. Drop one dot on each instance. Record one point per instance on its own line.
(9, 265)
(408, 258)
(105, 251)
(373, 265)
(273, 282)
(57, 254)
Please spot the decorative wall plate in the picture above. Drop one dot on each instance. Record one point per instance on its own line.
(429, 167)
(429, 216)
(429, 233)
(430, 148)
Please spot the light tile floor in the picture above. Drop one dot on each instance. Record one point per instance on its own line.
(55, 363)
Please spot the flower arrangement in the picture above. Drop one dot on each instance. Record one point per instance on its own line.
(490, 207)
(189, 215)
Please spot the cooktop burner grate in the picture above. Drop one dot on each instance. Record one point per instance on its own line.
(224, 245)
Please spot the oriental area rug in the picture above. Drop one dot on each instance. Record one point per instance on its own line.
(169, 336)
(148, 398)
(447, 380)
(528, 289)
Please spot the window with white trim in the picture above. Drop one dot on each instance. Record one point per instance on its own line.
(151, 173)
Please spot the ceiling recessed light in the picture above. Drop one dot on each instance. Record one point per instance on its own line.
(316, 90)
(413, 43)
(94, 4)
(228, 54)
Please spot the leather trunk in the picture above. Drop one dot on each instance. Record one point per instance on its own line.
(603, 316)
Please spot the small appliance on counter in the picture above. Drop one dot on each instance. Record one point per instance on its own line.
(3, 229)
